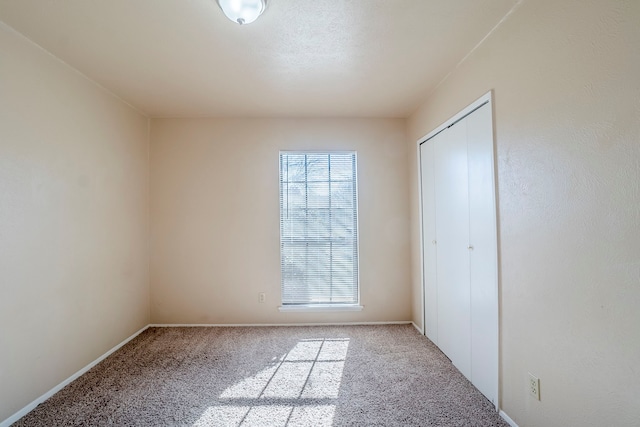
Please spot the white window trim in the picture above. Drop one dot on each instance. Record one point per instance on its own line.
(318, 308)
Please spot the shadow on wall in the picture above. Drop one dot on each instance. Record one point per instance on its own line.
(298, 388)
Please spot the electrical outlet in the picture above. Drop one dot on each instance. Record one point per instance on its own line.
(534, 386)
(262, 297)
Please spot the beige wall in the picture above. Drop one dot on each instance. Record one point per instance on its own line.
(215, 217)
(73, 222)
(566, 83)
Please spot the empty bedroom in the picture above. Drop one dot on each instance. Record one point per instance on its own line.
(320, 213)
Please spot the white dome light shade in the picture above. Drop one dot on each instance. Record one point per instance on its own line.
(242, 11)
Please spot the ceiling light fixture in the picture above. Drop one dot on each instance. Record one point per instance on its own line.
(242, 11)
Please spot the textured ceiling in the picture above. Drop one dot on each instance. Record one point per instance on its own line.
(178, 58)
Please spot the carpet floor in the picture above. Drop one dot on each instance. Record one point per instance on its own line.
(387, 375)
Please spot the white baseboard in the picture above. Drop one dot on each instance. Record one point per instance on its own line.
(31, 406)
(507, 419)
(419, 329)
(240, 325)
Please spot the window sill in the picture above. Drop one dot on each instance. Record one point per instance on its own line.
(320, 307)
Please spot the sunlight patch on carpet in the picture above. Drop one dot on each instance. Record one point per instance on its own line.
(251, 387)
(271, 415)
(310, 371)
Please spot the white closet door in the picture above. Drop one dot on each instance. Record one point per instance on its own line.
(429, 247)
(461, 271)
(483, 257)
(452, 213)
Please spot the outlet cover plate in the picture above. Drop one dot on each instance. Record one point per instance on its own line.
(534, 386)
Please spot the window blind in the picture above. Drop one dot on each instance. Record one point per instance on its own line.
(318, 228)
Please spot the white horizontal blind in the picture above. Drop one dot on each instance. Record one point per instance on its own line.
(318, 228)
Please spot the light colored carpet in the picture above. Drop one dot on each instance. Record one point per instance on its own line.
(271, 376)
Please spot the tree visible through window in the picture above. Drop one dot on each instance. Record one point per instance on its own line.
(318, 228)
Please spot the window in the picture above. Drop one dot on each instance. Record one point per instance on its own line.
(318, 229)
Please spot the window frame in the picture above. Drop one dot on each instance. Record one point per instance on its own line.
(326, 306)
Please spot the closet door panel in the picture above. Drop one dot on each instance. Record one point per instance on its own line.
(429, 246)
(452, 214)
(483, 258)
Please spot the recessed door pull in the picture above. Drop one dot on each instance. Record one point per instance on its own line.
(470, 247)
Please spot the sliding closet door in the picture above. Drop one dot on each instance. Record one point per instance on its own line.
(452, 235)
(459, 242)
(483, 256)
(429, 243)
